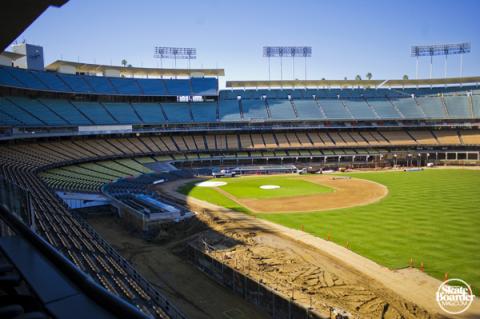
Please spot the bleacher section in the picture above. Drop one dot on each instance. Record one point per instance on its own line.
(24, 111)
(86, 84)
(281, 109)
(89, 177)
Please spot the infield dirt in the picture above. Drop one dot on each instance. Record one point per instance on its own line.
(347, 193)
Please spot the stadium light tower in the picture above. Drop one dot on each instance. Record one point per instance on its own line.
(175, 53)
(440, 49)
(280, 52)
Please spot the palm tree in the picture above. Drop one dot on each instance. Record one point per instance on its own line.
(358, 77)
(344, 78)
(124, 63)
(369, 76)
(405, 77)
(323, 79)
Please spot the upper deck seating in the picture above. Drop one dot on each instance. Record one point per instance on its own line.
(281, 109)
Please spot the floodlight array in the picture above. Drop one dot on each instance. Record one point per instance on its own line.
(440, 49)
(271, 52)
(175, 53)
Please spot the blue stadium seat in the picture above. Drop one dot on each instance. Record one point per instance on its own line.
(204, 86)
(254, 109)
(252, 94)
(17, 113)
(308, 110)
(458, 106)
(408, 107)
(150, 113)
(76, 83)
(53, 81)
(100, 84)
(177, 112)
(127, 86)
(432, 106)
(334, 109)
(204, 112)
(178, 87)
(39, 110)
(229, 110)
(152, 86)
(360, 109)
(6, 79)
(122, 112)
(281, 109)
(384, 108)
(66, 110)
(95, 112)
(7, 120)
(476, 105)
(27, 78)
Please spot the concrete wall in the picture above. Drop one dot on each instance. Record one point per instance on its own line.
(5, 61)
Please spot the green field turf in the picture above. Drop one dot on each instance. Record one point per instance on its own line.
(249, 187)
(431, 216)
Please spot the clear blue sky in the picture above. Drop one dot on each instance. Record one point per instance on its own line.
(348, 37)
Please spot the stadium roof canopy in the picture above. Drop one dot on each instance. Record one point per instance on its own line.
(17, 15)
(11, 55)
(133, 71)
(352, 83)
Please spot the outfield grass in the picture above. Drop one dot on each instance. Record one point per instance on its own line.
(210, 195)
(431, 216)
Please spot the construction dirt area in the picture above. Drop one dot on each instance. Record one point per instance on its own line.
(307, 270)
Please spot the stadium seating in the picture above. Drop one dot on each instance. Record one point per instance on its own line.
(281, 109)
(39, 110)
(458, 106)
(204, 112)
(23, 111)
(123, 113)
(384, 108)
(86, 84)
(229, 110)
(308, 110)
(408, 108)
(127, 86)
(149, 112)
(254, 109)
(17, 113)
(334, 109)
(476, 105)
(359, 109)
(152, 87)
(177, 112)
(95, 112)
(204, 86)
(432, 106)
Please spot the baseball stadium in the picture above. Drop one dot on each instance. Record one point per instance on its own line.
(181, 192)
